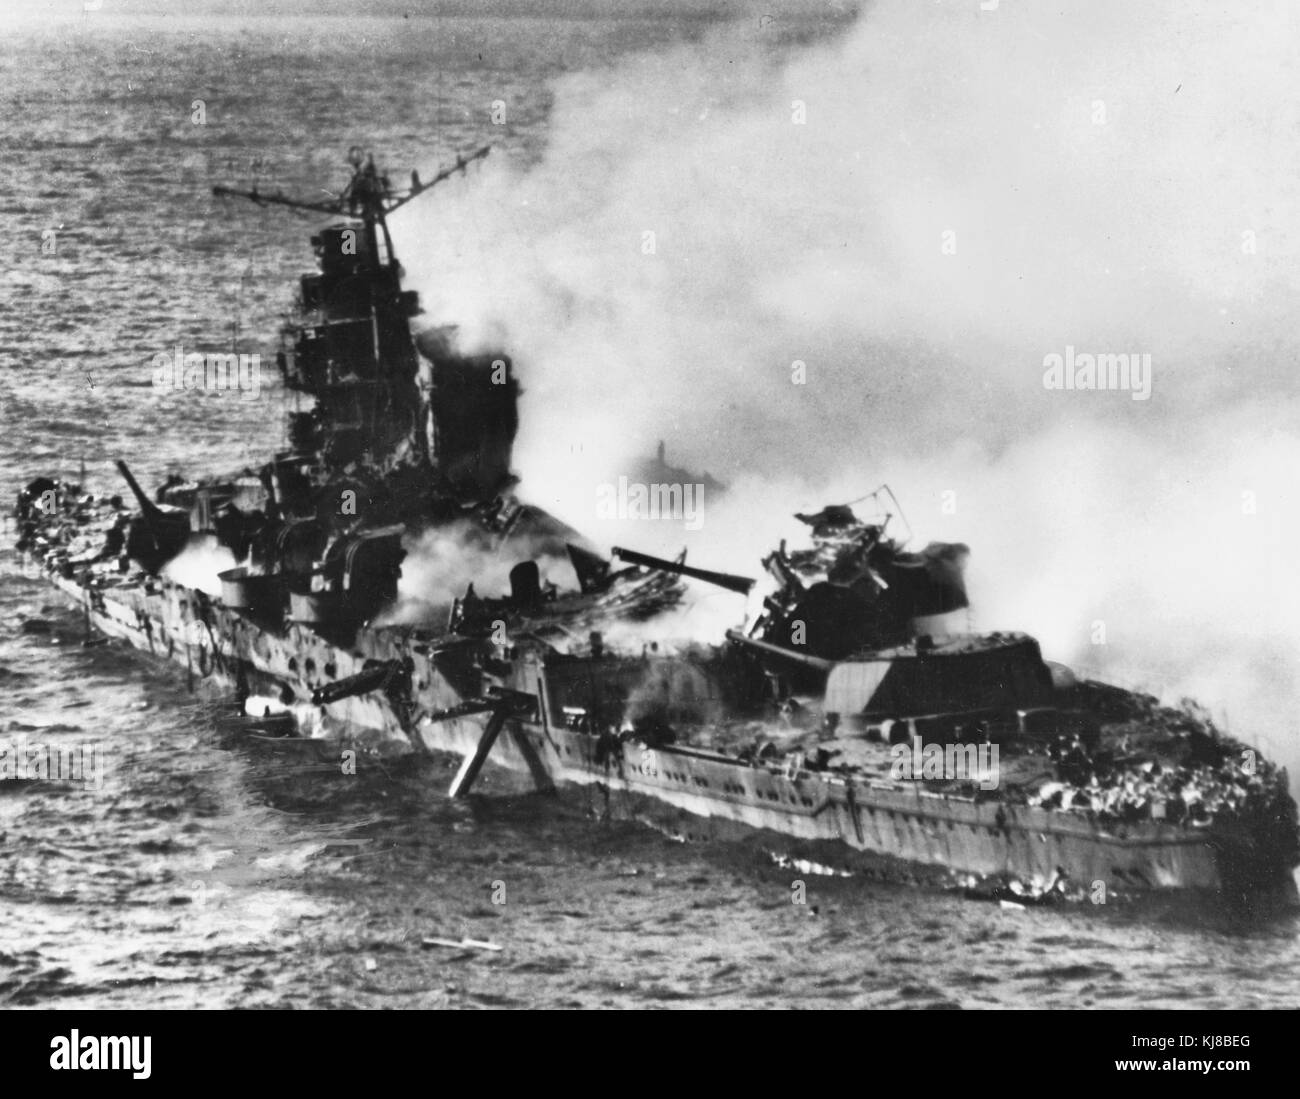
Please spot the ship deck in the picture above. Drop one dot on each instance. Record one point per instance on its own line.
(857, 810)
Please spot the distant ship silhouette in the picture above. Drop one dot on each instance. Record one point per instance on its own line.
(656, 470)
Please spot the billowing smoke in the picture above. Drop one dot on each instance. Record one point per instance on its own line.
(200, 564)
(443, 562)
(815, 268)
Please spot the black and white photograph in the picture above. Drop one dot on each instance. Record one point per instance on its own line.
(704, 505)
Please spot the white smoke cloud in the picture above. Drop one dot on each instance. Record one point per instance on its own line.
(441, 564)
(200, 564)
(1114, 177)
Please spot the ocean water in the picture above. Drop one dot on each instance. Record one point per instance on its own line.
(207, 871)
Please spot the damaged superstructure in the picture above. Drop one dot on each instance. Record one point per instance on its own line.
(794, 727)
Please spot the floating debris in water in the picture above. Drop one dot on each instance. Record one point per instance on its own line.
(464, 944)
(805, 866)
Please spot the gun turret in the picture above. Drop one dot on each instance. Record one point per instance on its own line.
(160, 534)
(739, 584)
(154, 515)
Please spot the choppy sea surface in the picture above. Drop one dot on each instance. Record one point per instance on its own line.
(207, 871)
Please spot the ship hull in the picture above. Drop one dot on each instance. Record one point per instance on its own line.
(843, 824)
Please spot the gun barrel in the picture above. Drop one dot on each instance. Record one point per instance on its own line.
(362, 683)
(739, 584)
(738, 638)
(151, 510)
(167, 529)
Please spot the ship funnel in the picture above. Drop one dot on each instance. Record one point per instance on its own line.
(526, 584)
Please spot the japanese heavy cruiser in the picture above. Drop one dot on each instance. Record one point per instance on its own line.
(855, 723)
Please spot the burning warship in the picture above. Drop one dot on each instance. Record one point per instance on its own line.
(857, 723)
